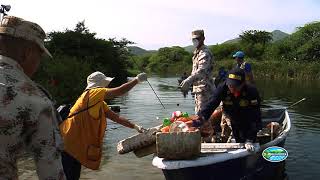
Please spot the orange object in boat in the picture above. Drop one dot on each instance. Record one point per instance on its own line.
(165, 129)
(183, 119)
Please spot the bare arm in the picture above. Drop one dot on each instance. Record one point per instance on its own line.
(118, 119)
(124, 88)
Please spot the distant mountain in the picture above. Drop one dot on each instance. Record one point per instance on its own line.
(231, 41)
(276, 36)
(189, 48)
(137, 50)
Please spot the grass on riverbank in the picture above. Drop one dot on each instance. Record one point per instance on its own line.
(278, 69)
(267, 69)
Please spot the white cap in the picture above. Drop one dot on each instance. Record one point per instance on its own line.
(98, 79)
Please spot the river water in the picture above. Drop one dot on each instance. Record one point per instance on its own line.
(141, 106)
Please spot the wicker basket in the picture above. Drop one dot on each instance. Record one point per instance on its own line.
(178, 145)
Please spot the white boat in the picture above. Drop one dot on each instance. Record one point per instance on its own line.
(233, 163)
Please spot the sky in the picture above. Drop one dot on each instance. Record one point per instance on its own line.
(153, 24)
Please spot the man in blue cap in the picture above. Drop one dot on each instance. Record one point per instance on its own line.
(239, 57)
(241, 103)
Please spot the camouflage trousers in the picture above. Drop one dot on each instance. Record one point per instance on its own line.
(226, 129)
(201, 101)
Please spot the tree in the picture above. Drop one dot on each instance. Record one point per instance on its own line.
(166, 60)
(224, 51)
(303, 45)
(81, 28)
(254, 42)
(78, 53)
(255, 37)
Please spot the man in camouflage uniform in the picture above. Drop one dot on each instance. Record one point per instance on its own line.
(201, 75)
(27, 116)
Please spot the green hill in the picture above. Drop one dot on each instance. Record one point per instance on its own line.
(189, 48)
(137, 50)
(231, 41)
(276, 36)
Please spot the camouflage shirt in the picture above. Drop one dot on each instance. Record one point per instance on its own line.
(201, 75)
(27, 123)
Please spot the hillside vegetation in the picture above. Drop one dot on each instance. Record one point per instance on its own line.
(78, 52)
(297, 54)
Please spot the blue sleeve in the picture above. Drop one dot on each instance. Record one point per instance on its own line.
(214, 103)
(247, 67)
(255, 115)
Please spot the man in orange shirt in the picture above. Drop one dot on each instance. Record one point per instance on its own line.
(83, 133)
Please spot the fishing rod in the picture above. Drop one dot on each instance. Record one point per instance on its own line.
(296, 103)
(155, 94)
(150, 86)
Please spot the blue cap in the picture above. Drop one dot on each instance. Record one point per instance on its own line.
(239, 54)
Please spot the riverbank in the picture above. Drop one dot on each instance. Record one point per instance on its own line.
(278, 69)
(266, 69)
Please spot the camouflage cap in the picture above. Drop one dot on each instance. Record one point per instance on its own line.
(20, 28)
(197, 34)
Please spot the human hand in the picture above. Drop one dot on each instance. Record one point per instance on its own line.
(189, 123)
(185, 85)
(206, 129)
(140, 129)
(141, 77)
(249, 146)
(260, 132)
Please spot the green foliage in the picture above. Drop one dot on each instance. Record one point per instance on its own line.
(278, 35)
(303, 45)
(65, 77)
(224, 51)
(254, 42)
(189, 48)
(77, 53)
(274, 68)
(137, 50)
(255, 37)
(168, 59)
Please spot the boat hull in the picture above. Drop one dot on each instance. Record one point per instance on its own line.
(248, 167)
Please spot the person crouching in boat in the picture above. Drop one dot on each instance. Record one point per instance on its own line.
(241, 103)
(83, 133)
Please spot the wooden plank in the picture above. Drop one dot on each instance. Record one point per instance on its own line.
(222, 145)
(138, 141)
